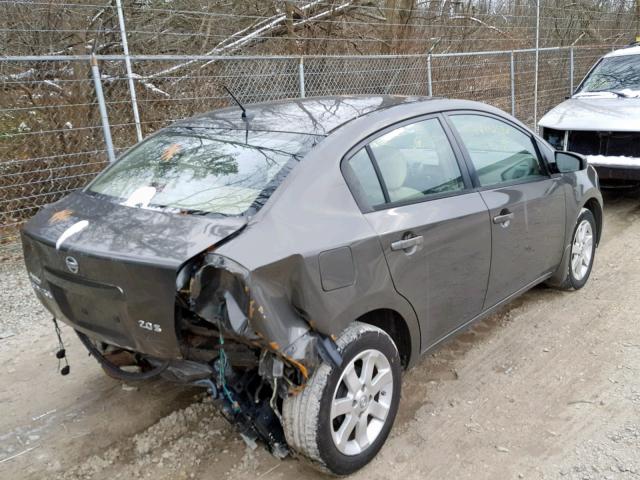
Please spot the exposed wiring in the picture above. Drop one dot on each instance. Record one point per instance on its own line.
(272, 402)
(61, 354)
(222, 369)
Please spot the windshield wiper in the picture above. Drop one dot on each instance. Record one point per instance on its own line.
(184, 211)
(190, 211)
(615, 92)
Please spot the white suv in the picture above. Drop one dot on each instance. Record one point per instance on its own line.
(601, 120)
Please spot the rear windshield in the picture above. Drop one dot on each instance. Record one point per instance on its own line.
(614, 73)
(196, 170)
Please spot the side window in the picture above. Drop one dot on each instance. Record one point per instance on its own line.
(417, 161)
(499, 152)
(363, 179)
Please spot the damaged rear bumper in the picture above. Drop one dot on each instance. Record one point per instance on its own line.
(177, 313)
(219, 293)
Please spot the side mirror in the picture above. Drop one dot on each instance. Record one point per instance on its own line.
(566, 162)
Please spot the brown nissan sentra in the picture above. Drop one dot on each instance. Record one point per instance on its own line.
(295, 257)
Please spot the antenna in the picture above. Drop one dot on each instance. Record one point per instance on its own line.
(244, 112)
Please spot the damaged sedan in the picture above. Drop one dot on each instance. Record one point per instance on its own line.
(295, 257)
(601, 120)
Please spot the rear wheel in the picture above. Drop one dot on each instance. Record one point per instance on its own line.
(344, 415)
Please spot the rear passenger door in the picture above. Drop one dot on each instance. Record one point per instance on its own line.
(526, 204)
(434, 229)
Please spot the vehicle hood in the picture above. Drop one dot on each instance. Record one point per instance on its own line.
(110, 271)
(133, 234)
(595, 113)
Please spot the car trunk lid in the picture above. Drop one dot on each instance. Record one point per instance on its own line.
(115, 278)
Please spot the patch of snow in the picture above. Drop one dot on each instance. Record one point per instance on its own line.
(140, 197)
(72, 230)
(624, 51)
(53, 84)
(614, 161)
(18, 76)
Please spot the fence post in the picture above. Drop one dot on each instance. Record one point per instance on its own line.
(106, 129)
(127, 63)
(512, 72)
(571, 71)
(429, 82)
(535, 87)
(301, 77)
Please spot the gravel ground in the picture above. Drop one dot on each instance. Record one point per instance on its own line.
(548, 388)
(21, 310)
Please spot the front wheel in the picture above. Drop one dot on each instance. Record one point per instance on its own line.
(344, 415)
(583, 249)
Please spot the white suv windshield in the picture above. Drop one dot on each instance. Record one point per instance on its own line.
(196, 170)
(614, 74)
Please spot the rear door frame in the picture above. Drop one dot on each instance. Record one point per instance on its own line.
(467, 177)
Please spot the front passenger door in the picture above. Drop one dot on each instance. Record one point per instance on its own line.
(526, 205)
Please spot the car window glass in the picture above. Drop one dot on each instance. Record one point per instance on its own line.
(362, 177)
(203, 170)
(614, 73)
(499, 152)
(417, 161)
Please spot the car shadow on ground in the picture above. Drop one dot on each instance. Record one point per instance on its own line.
(440, 365)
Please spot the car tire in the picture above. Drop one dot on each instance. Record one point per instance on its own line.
(582, 251)
(312, 421)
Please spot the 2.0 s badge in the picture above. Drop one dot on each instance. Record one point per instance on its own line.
(152, 327)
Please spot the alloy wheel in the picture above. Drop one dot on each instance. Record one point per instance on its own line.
(582, 250)
(361, 402)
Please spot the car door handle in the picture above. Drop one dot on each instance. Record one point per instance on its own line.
(407, 243)
(505, 217)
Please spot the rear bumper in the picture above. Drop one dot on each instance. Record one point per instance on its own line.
(616, 170)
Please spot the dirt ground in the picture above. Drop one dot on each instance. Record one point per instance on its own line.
(547, 388)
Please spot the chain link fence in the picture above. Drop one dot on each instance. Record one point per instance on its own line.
(54, 139)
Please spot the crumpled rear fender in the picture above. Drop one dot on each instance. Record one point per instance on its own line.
(256, 306)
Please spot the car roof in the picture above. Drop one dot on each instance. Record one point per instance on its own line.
(312, 116)
(632, 50)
